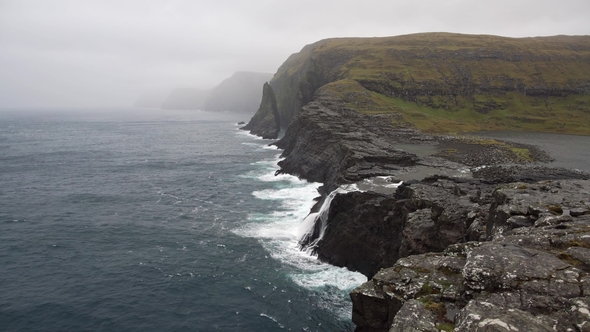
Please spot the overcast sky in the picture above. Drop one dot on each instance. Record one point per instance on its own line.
(57, 53)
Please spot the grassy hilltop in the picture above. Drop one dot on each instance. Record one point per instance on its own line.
(448, 83)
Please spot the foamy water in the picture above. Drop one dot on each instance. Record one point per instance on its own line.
(130, 221)
(280, 231)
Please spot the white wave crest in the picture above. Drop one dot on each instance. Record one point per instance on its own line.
(279, 232)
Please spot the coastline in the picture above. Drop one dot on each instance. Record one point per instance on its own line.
(431, 212)
(372, 109)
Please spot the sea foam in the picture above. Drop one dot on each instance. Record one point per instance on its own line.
(279, 233)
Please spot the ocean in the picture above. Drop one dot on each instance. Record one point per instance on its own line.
(127, 220)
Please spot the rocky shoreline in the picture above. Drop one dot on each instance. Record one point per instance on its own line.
(528, 271)
(475, 239)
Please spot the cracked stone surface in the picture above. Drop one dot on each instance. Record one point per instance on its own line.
(527, 276)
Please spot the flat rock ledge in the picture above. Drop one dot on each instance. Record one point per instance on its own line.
(530, 275)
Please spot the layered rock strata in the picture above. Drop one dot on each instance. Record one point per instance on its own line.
(430, 217)
(467, 243)
(334, 144)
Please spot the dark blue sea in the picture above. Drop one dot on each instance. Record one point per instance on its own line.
(121, 220)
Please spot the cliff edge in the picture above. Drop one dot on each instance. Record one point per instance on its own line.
(463, 232)
(266, 122)
(449, 83)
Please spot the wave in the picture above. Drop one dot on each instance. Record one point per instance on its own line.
(280, 230)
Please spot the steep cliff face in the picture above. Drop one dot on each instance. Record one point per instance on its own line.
(266, 122)
(354, 107)
(333, 144)
(443, 82)
(366, 231)
(239, 93)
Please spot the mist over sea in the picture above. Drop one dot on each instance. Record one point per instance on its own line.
(119, 220)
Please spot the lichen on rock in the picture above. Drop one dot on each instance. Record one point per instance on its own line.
(525, 278)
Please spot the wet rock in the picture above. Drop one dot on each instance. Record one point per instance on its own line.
(579, 211)
(580, 254)
(552, 220)
(366, 231)
(519, 221)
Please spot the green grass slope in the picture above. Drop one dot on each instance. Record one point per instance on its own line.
(449, 83)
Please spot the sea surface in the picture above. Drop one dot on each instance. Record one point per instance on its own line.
(120, 220)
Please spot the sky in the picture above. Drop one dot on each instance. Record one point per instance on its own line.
(104, 54)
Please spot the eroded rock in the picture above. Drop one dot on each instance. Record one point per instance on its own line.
(527, 279)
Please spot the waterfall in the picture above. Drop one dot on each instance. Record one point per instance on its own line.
(319, 221)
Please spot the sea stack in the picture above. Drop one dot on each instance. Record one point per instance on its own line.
(266, 122)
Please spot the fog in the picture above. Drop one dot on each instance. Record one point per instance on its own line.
(105, 53)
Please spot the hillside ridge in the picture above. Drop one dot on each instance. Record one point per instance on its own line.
(449, 83)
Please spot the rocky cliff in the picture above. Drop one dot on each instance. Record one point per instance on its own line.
(449, 200)
(442, 82)
(532, 274)
(266, 121)
(454, 243)
(452, 194)
(335, 144)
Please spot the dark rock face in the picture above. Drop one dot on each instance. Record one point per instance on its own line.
(357, 237)
(526, 278)
(493, 250)
(333, 144)
(266, 122)
(367, 231)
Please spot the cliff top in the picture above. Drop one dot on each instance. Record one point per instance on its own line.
(448, 83)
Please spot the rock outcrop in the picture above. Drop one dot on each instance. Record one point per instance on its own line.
(468, 242)
(531, 276)
(334, 144)
(266, 123)
(428, 219)
(367, 231)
